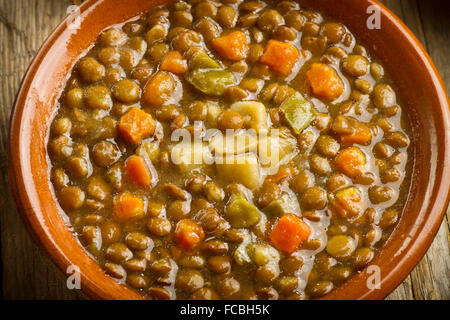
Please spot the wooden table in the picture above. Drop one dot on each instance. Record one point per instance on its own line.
(29, 274)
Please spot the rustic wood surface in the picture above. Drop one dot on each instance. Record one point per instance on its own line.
(29, 274)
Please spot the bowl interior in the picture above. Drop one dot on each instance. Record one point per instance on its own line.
(416, 80)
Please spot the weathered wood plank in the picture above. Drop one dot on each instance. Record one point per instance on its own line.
(410, 17)
(27, 272)
(428, 21)
(436, 263)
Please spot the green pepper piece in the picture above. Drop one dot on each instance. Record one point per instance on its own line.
(276, 208)
(201, 60)
(212, 82)
(298, 112)
(240, 213)
(207, 75)
(279, 207)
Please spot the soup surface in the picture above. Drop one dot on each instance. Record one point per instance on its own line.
(230, 150)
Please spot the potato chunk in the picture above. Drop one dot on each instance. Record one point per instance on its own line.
(237, 143)
(276, 149)
(213, 112)
(243, 169)
(189, 156)
(254, 113)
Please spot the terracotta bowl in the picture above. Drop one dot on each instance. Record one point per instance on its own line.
(416, 79)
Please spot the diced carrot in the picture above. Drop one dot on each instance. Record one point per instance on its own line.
(232, 46)
(138, 172)
(174, 62)
(136, 125)
(324, 81)
(289, 233)
(347, 202)
(127, 207)
(188, 234)
(351, 161)
(159, 89)
(360, 135)
(280, 56)
(283, 173)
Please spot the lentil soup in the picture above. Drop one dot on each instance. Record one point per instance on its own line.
(291, 226)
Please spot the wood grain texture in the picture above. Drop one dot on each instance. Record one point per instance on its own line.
(429, 22)
(27, 271)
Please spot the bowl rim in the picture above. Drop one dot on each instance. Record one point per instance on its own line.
(91, 289)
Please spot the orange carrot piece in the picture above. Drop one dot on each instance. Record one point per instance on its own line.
(283, 173)
(280, 56)
(174, 62)
(351, 161)
(347, 203)
(127, 207)
(136, 125)
(289, 233)
(361, 135)
(137, 170)
(324, 81)
(232, 46)
(159, 89)
(188, 234)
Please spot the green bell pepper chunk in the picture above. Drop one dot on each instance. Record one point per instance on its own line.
(298, 112)
(207, 75)
(276, 208)
(240, 213)
(280, 207)
(201, 60)
(212, 82)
